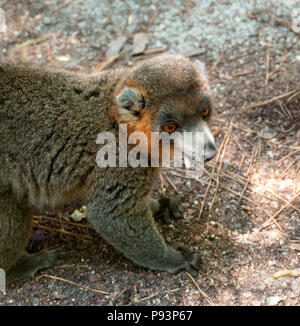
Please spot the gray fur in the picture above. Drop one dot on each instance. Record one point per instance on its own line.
(49, 121)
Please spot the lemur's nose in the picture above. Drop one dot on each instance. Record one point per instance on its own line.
(210, 152)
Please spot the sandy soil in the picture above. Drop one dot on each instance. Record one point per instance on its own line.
(249, 226)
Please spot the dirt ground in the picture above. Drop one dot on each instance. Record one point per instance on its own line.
(243, 214)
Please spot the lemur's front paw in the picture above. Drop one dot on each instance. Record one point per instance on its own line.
(169, 208)
(177, 258)
(194, 263)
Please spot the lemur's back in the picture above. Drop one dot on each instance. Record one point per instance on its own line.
(47, 126)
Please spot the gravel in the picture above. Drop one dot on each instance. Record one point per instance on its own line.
(231, 37)
(179, 26)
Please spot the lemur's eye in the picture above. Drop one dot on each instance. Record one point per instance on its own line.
(205, 111)
(170, 127)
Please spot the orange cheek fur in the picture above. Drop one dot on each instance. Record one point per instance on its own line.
(143, 125)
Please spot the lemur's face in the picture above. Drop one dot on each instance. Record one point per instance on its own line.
(185, 120)
(168, 98)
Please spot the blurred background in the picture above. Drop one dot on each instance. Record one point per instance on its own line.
(94, 35)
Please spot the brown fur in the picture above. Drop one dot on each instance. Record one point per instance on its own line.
(49, 121)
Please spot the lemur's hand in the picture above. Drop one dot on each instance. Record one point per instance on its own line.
(169, 208)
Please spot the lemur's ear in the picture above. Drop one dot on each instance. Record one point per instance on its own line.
(201, 68)
(130, 103)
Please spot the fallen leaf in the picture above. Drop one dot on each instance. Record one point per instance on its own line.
(130, 19)
(273, 301)
(192, 52)
(63, 58)
(140, 41)
(79, 215)
(2, 21)
(115, 46)
(295, 246)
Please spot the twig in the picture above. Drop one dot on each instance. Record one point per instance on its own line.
(281, 62)
(101, 66)
(241, 180)
(183, 299)
(295, 180)
(251, 131)
(285, 110)
(247, 199)
(200, 290)
(171, 183)
(231, 175)
(271, 100)
(287, 168)
(296, 94)
(219, 168)
(114, 300)
(272, 218)
(216, 63)
(149, 52)
(204, 199)
(247, 175)
(237, 144)
(154, 51)
(242, 161)
(243, 73)
(210, 181)
(285, 23)
(296, 124)
(288, 203)
(152, 19)
(163, 184)
(73, 283)
(230, 189)
(54, 219)
(30, 42)
(155, 295)
(268, 60)
(249, 15)
(81, 236)
(64, 5)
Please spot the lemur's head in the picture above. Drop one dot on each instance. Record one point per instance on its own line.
(168, 94)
